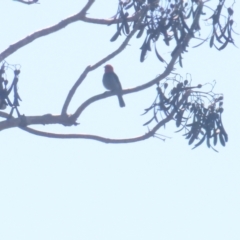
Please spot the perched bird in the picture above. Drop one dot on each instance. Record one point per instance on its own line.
(112, 83)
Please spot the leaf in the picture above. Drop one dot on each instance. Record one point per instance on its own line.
(208, 142)
(143, 54)
(221, 139)
(147, 110)
(125, 23)
(141, 31)
(222, 130)
(155, 116)
(126, 27)
(200, 142)
(200, 43)
(180, 60)
(115, 36)
(144, 50)
(158, 55)
(211, 41)
(149, 44)
(179, 116)
(224, 45)
(180, 129)
(191, 140)
(215, 138)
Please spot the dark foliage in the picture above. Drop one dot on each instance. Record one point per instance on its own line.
(175, 19)
(198, 113)
(5, 92)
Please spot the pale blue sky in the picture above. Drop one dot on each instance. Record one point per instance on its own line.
(81, 189)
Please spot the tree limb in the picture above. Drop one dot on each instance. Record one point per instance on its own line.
(81, 16)
(145, 136)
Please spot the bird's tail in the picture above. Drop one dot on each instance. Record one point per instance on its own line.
(121, 101)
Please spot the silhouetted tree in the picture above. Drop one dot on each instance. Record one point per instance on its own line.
(196, 112)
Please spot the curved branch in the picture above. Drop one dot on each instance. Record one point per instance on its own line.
(99, 63)
(110, 140)
(98, 138)
(167, 71)
(73, 90)
(109, 21)
(14, 47)
(81, 16)
(91, 68)
(23, 121)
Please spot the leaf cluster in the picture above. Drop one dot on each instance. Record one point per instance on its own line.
(173, 19)
(198, 113)
(5, 91)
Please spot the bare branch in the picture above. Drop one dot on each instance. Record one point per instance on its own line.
(14, 47)
(81, 16)
(173, 107)
(91, 68)
(151, 133)
(73, 90)
(109, 21)
(59, 119)
(34, 120)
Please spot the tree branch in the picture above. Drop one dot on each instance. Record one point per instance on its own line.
(14, 47)
(167, 71)
(96, 65)
(66, 120)
(91, 68)
(110, 140)
(33, 120)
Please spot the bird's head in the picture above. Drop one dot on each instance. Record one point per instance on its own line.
(108, 68)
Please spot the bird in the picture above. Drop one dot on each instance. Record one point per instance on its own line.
(111, 82)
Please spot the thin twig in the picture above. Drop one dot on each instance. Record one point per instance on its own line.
(43, 32)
